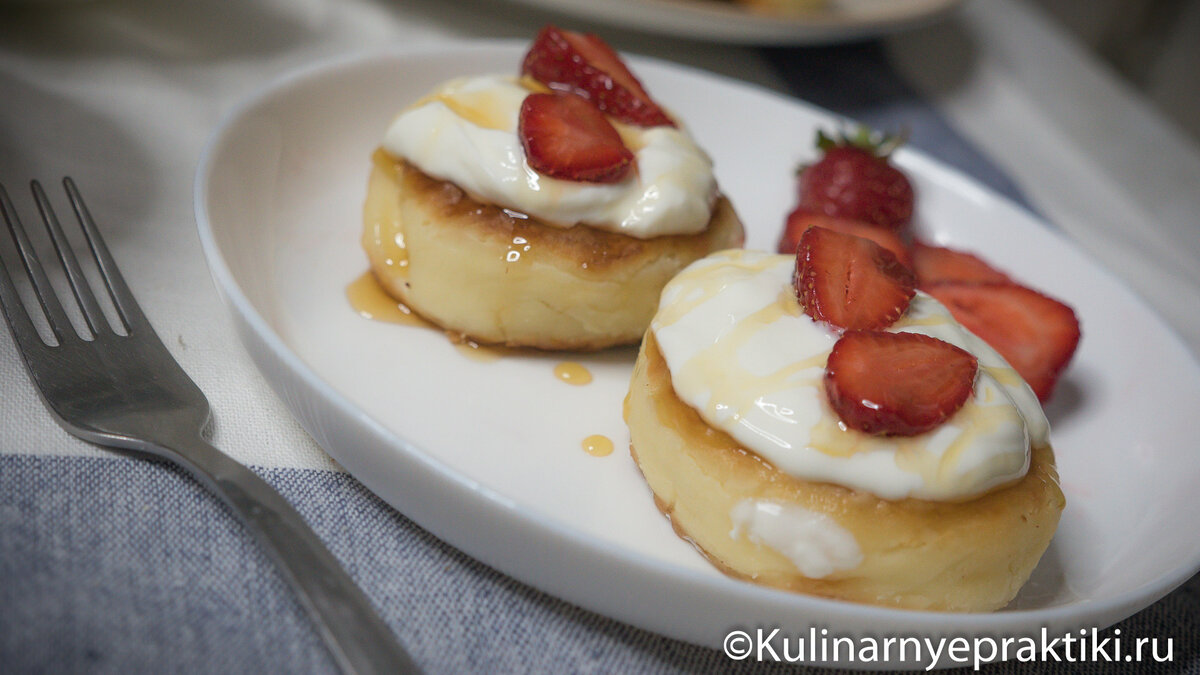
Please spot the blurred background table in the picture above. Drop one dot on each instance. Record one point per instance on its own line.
(112, 565)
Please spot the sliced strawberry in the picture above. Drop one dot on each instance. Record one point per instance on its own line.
(801, 219)
(567, 137)
(935, 264)
(1036, 334)
(897, 384)
(584, 64)
(850, 282)
(855, 179)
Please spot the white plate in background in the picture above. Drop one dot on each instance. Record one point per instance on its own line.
(487, 455)
(727, 21)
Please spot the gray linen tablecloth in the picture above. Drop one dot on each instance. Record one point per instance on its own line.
(110, 564)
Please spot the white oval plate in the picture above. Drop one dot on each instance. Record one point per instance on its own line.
(488, 456)
(727, 21)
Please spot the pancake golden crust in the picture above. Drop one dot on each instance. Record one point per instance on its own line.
(966, 556)
(499, 277)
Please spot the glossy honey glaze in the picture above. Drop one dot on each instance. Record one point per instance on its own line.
(597, 445)
(369, 299)
(573, 373)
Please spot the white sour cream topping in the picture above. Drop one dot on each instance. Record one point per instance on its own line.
(466, 133)
(743, 353)
(815, 544)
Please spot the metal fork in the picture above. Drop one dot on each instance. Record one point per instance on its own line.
(127, 391)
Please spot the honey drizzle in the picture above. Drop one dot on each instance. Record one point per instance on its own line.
(477, 352)
(573, 373)
(480, 108)
(710, 366)
(829, 436)
(369, 299)
(597, 445)
(383, 231)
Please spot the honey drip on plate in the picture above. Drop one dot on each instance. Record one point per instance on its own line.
(369, 299)
(475, 351)
(573, 373)
(597, 445)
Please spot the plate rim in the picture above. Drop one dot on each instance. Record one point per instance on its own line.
(733, 24)
(269, 344)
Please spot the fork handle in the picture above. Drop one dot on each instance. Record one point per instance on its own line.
(359, 640)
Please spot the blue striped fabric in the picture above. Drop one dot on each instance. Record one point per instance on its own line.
(84, 540)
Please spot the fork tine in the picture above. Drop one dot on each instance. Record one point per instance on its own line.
(127, 307)
(79, 283)
(23, 330)
(56, 316)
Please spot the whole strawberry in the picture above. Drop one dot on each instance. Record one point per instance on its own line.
(855, 179)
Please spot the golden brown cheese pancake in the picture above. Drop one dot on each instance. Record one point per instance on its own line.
(499, 277)
(968, 556)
